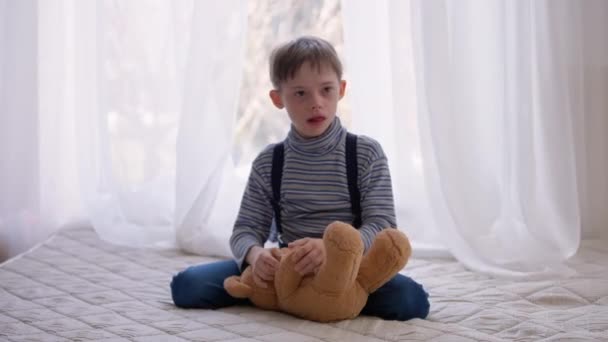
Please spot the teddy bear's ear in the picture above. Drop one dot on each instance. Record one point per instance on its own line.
(236, 288)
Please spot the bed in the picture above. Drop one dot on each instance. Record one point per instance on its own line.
(76, 287)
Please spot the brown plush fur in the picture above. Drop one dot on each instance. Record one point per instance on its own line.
(340, 288)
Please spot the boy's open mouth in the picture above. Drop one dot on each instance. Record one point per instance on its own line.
(316, 119)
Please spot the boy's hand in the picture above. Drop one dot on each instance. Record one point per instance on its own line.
(309, 255)
(263, 264)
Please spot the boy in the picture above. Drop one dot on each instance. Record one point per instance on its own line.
(307, 78)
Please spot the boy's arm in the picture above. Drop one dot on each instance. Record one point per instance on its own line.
(377, 203)
(252, 225)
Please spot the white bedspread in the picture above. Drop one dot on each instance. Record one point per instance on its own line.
(76, 287)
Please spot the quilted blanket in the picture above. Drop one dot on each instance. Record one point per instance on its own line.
(75, 287)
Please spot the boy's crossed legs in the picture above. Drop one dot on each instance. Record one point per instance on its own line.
(202, 286)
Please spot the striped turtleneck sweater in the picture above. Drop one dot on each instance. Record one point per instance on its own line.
(314, 191)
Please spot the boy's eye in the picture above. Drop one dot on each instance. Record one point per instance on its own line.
(299, 93)
(328, 89)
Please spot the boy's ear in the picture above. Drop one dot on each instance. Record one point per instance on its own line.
(275, 96)
(342, 88)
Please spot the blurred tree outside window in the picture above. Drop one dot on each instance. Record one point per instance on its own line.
(271, 23)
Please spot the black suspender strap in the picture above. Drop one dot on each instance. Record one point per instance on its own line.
(278, 158)
(352, 174)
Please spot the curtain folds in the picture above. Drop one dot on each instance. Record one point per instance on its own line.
(494, 104)
(122, 115)
(492, 114)
(19, 165)
(206, 181)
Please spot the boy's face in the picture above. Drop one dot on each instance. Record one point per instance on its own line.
(310, 98)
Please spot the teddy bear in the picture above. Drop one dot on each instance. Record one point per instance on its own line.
(340, 288)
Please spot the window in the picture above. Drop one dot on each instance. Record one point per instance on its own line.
(259, 123)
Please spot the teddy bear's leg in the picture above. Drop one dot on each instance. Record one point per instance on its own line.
(245, 287)
(343, 250)
(388, 255)
(237, 288)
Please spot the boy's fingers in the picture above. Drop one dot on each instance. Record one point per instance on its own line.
(271, 262)
(303, 251)
(300, 268)
(305, 265)
(270, 270)
(258, 281)
(267, 263)
(314, 254)
(297, 243)
(276, 254)
(307, 269)
(313, 260)
(264, 274)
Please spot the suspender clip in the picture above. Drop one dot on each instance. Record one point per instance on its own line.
(282, 243)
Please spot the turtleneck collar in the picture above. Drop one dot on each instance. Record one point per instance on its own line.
(320, 145)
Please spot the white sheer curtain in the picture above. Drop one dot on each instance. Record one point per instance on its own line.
(492, 113)
(18, 135)
(120, 113)
(483, 108)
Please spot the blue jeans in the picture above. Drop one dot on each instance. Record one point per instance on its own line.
(201, 286)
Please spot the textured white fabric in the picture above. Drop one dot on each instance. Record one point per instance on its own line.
(76, 287)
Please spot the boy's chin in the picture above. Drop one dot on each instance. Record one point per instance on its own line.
(312, 132)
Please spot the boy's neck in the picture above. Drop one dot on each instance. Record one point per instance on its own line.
(301, 137)
(319, 145)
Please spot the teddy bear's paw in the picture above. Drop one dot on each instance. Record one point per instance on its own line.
(388, 254)
(398, 242)
(237, 288)
(342, 237)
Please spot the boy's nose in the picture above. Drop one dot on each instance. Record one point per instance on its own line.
(316, 102)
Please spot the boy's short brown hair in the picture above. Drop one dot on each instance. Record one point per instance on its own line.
(286, 59)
